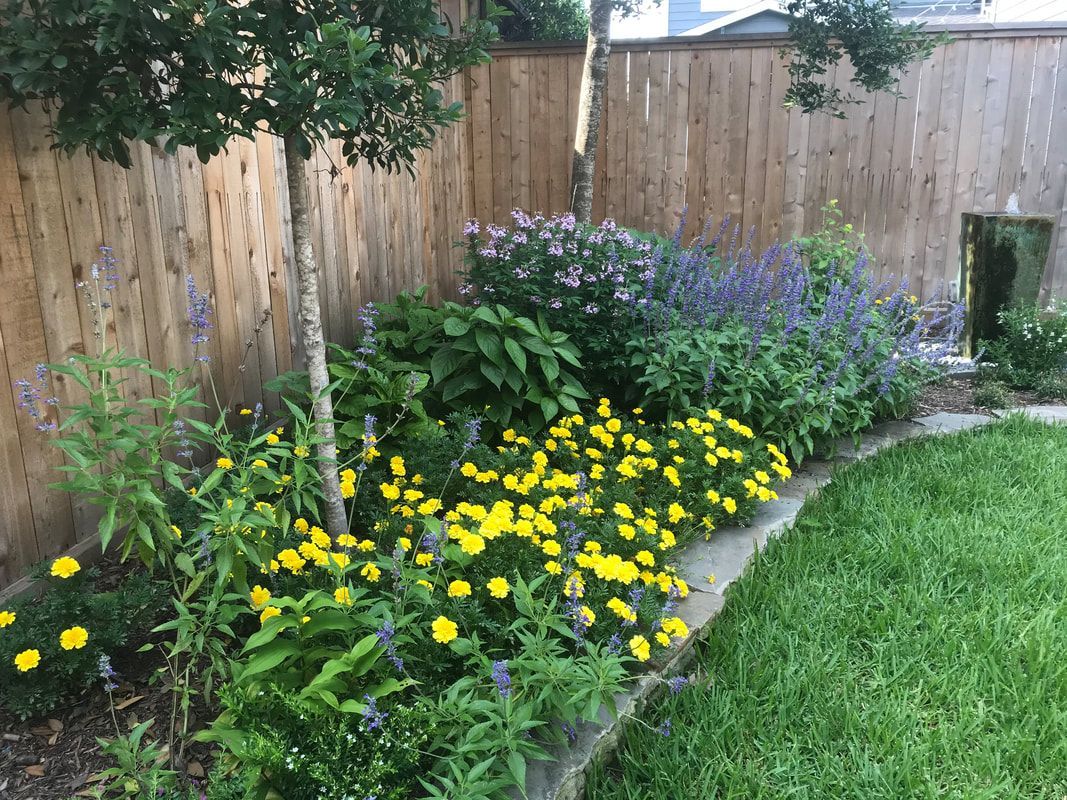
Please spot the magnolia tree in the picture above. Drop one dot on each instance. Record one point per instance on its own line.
(196, 73)
(822, 32)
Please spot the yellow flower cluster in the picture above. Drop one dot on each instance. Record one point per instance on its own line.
(570, 476)
(73, 638)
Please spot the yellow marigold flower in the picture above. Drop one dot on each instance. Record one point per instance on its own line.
(176, 531)
(396, 464)
(244, 412)
(342, 560)
(268, 612)
(459, 589)
(509, 435)
(345, 540)
(342, 595)
(713, 496)
(301, 452)
(750, 485)
(429, 506)
(468, 470)
(737, 456)
(348, 490)
(498, 588)
(671, 474)
(371, 572)
(259, 463)
(729, 504)
(301, 525)
(675, 627)
(623, 510)
(604, 411)
(64, 567)
(425, 584)
(593, 547)
(27, 660)
(645, 558)
(319, 537)
(587, 616)
(6, 618)
(553, 567)
(763, 494)
(676, 513)
(404, 542)
(444, 630)
(640, 647)
(783, 472)
(663, 638)
(73, 638)
(390, 492)
(424, 559)
(272, 438)
(366, 545)
(291, 560)
(259, 596)
(551, 548)
(472, 544)
(593, 453)
(223, 463)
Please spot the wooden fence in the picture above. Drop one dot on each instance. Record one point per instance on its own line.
(687, 123)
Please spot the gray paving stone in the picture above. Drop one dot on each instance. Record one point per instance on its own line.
(1052, 414)
(728, 550)
(943, 422)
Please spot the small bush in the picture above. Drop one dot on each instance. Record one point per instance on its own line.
(1031, 349)
(98, 624)
(583, 278)
(992, 394)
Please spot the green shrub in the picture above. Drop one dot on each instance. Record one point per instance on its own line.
(991, 393)
(583, 278)
(510, 369)
(308, 753)
(1031, 349)
(108, 618)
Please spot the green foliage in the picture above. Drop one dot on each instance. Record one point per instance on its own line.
(510, 368)
(546, 20)
(140, 771)
(1031, 349)
(111, 618)
(199, 73)
(115, 448)
(303, 753)
(831, 249)
(377, 385)
(825, 30)
(991, 393)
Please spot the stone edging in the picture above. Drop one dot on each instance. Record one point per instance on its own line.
(726, 555)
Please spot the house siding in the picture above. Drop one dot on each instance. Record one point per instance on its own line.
(684, 15)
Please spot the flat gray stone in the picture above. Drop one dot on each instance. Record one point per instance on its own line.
(943, 422)
(1051, 414)
(728, 550)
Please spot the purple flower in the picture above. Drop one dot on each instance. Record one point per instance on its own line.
(677, 684)
(199, 310)
(372, 717)
(385, 636)
(31, 397)
(106, 672)
(571, 733)
(665, 729)
(502, 678)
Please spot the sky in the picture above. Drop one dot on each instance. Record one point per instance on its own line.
(652, 21)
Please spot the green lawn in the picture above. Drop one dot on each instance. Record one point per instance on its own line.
(907, 639)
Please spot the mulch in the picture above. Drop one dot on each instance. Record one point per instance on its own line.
(955, 395)
(58, 756)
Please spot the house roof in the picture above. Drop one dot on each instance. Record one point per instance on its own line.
(948, 12)
(752, 9)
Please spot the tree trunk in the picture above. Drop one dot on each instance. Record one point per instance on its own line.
(314, 343)
(590, 109)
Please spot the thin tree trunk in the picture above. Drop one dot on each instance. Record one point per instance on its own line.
(590, 109)
(311, 333)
